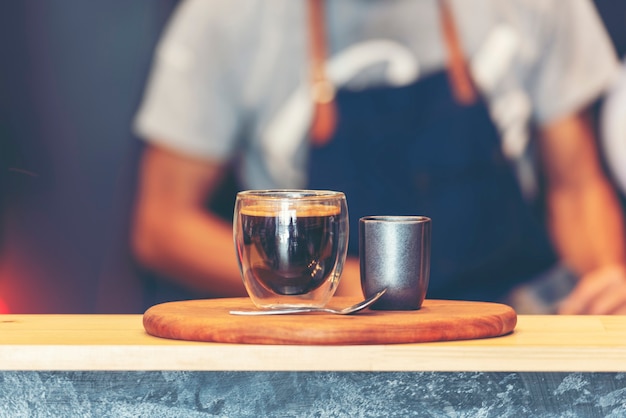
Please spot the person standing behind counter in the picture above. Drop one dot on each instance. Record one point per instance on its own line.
(409, 107)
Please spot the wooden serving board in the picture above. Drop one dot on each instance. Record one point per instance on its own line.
(438, 320)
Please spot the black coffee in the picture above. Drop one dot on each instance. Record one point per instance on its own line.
(290, 255)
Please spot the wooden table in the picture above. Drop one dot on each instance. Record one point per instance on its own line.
(119, 342)
(107, 364)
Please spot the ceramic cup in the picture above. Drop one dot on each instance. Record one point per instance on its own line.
(394, 253)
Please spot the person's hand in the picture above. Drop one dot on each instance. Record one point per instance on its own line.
(600, 292)
(350, 283)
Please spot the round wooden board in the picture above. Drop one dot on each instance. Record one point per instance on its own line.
(438, 320)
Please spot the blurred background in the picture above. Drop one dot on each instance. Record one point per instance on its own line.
(71, 77)
(72, 74)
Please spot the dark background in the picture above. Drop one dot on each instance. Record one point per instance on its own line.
(72, 74)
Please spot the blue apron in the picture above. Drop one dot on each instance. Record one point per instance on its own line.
(413, 150)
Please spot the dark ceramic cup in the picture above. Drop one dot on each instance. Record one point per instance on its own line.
(394, 254)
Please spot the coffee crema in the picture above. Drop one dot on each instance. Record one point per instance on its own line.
(302, 210)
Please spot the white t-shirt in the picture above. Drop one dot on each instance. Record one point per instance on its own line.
(231, 78)
(613, 131)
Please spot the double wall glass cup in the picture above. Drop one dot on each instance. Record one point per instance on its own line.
(291, 245)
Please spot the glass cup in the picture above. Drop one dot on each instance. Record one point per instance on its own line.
(291, 245)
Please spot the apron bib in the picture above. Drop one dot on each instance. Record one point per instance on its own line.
(415, 150)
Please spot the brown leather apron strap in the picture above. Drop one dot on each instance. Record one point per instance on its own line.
(322, 90)
(458, 72)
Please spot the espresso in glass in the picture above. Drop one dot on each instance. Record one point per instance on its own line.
(291, 245)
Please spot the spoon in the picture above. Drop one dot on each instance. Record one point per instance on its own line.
(345, 311)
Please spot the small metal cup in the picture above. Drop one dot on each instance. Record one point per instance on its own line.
(395, 254)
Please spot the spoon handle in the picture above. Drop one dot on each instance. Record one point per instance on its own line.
(277, 311)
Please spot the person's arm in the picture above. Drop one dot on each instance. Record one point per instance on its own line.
(174, 234)
(172, 231)
(350, 283)
(584, 217)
